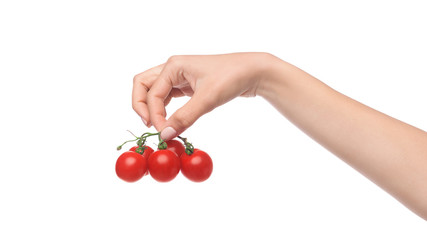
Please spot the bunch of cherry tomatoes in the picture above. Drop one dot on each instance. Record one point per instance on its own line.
(165, 163)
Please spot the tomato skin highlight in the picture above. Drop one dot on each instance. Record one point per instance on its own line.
(175, 146)
(163, 165)
(131, 166)
(197, 167)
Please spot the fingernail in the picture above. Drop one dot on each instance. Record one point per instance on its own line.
(168, 133)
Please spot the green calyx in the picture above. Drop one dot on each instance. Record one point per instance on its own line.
(140, 150)
(162, 145)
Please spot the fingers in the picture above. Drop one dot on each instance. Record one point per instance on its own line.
(184, 117)
(139, 100)
(154, 89)
(141, 85)
(175, 93)
(156, 98)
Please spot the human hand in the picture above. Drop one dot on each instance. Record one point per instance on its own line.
(377, 145)
(210, 81)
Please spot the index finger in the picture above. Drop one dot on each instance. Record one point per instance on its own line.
(156, 97)
(141, 85)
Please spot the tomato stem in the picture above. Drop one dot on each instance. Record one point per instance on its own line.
(132, 133)
(189, 148)
(140, 141)
(162, 144)
(120, 147)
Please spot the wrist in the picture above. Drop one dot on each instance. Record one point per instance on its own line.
(273, 77)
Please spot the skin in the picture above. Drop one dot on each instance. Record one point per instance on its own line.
(389, 152)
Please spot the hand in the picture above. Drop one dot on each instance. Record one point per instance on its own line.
(210, 81)
(389, 152)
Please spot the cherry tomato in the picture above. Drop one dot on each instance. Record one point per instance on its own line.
(175, 146)
(131, 166)
(197, 167)
(164, 165)
(147, 152)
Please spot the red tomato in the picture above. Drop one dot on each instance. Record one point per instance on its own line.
(175, 146)
(197, 167)
(163, 165)
(131, 166)
(147, 152)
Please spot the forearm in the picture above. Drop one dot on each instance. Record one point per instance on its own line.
(387, 151)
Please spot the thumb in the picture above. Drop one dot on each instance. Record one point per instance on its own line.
(184, 117)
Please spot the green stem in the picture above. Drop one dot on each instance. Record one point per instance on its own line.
(147, 134)
(162, 144)
(120, 147)
(189, 148)
(141, 140)
(132, 133)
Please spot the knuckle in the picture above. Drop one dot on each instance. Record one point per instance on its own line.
(136, 78)
(174, 60)
(134, 107)
(140, 79)
(150, 97)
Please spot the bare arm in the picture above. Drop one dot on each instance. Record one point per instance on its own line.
(389, 152)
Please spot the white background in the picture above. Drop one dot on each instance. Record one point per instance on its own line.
(66, 72)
